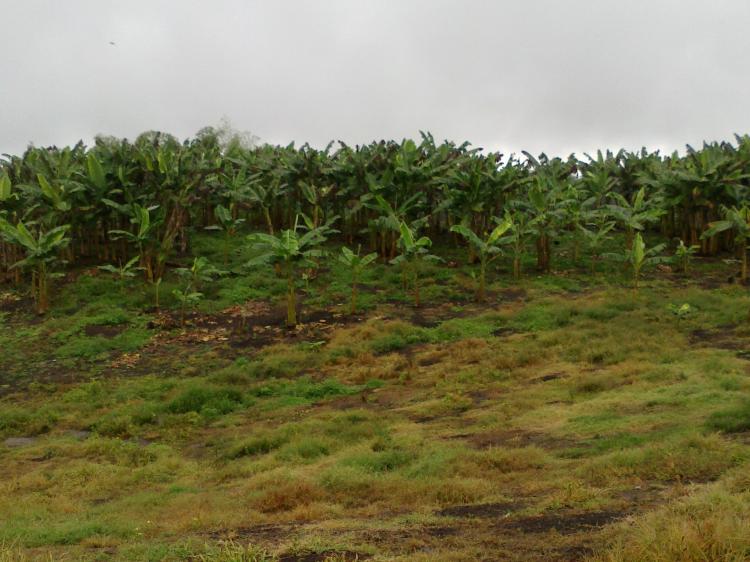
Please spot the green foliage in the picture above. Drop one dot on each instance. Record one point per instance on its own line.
(487, 248)
(291, 251)
(206, 400)
(638, 257)
(414, 254)
(123, 271)
(193, 278)
(41, 250)
(736, 219)
(355, 263)
(683, 254)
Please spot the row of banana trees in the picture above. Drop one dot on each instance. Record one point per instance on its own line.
(136, 203)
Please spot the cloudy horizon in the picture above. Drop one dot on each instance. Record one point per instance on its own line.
(507, 75)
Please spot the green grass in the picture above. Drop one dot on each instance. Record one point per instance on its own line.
(153, 443)
(731, 420)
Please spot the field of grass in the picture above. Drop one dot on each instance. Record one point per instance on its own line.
(565, 418)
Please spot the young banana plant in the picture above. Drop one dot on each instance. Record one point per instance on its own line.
(518, 234)
(193, 277)
(639, 256)
(596, 235)
(355, 262)
(144, 236)
(41, 249)
(228, 224)
(487, 249)
(122, 272)
(414, 254)
(684, 253)
(292, 252)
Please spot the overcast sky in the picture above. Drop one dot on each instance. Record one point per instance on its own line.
(550, 75)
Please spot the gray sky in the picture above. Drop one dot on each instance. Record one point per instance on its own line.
(539, 75)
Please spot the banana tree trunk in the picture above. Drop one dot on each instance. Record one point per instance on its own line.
(543, 252)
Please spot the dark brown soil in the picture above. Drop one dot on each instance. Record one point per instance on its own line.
(267, 533)
(563, 523)
(441, 531)
(549, 377)
(516, 438)
(482, 510)
(573, 553)
(338, 555)
(723, 337)
(512, 295)
(12, 304)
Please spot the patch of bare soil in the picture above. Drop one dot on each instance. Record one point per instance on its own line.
(337, 555)
(563, 523)
(12, 303)
(266, 533)
(572, 553)
(482, 510)
(431, 316)
(512, 295)
(253, 325)
(516, 438)
(355, 401)
(723, 337)
(548, 377)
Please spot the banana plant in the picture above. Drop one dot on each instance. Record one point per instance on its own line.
(636, 214)
(292, 252)
(228, 224)
(144, 237)
(487, 249)
(595, 234)
(5, 188)
(684, 254)
(316, 197)
(41, 249)
(638, 257)
(550, 182)
(122, 272)
(518, 234)
(415, 252)
(264, 197)
(355, 262)
(579, 209)
(200, 272)
(546, 212)
(738, 220)
(387, 224)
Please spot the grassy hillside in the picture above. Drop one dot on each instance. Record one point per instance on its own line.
(565, 418)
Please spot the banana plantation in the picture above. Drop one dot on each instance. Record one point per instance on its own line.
(117, 200)
(400, 351)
